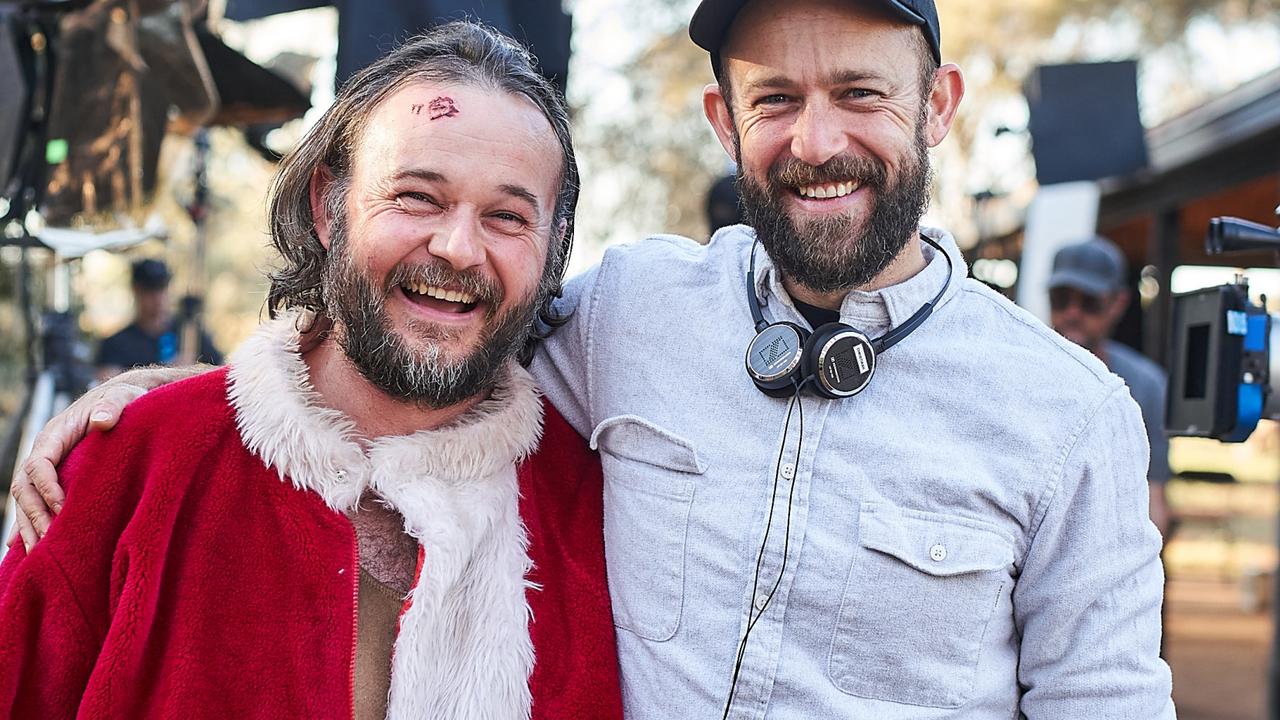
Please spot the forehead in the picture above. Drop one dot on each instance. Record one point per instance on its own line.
(817, 39)
(469, 134)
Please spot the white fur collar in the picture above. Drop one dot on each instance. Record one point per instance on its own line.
(464, 649)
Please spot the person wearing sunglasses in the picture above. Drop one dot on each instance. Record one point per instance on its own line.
(1088, 294)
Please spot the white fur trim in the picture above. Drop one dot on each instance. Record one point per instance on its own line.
(464, 649)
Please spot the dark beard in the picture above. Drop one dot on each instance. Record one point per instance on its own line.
(363, 331)
(838, 252)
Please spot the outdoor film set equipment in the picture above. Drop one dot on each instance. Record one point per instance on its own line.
(1223, 374)
(91, 89)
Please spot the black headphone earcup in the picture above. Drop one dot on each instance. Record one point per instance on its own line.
(809, 360)
(839, 359)
(775, 357)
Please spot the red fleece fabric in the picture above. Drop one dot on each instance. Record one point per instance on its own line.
(575, 673)
(184, 579)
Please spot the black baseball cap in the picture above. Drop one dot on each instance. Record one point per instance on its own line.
(150, 274)
(711, 22)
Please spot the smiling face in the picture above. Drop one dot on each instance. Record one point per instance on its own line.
(830, 125)
(439, 239)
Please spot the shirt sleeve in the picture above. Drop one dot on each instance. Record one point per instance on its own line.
(47, 647)
(563, 362)
(1087, 601)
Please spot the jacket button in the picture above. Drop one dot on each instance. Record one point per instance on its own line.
(938, 552)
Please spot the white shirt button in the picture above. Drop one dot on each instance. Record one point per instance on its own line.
(788, 471)
(938, 552)
(760, 602)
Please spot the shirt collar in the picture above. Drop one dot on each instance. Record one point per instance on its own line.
(877, 311)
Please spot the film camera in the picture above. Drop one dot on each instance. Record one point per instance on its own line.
(1223, 372)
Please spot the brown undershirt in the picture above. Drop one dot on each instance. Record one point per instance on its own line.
(388, 559)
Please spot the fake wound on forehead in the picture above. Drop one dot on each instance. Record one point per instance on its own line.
(439, 107)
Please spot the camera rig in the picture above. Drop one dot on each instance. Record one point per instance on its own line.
(1223, 372)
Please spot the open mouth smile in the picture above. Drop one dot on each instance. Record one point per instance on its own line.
(439, 299)
(827, 190)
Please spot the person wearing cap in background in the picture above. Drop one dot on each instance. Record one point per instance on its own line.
(153, 337)
(966, 537)
(723, 208)
(1087, 298)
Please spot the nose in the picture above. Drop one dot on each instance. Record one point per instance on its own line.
(817, 136)
(459, 242)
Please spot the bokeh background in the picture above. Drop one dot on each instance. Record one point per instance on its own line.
(648, 159)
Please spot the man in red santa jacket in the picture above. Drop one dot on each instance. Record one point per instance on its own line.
(371, 512)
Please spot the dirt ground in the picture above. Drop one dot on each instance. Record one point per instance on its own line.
(1219, 653)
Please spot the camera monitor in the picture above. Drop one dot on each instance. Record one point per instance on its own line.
(1219, 374)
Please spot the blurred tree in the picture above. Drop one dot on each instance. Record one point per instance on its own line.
(650, 159)
(657, 146)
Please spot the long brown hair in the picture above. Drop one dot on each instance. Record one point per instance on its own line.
(458, 52)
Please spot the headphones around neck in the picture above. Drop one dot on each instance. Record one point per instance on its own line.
(838, 358)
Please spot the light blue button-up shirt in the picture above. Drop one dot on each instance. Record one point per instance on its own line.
(966, 538)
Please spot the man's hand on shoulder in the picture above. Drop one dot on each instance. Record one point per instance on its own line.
(35, 486)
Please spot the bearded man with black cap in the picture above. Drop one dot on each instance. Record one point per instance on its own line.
(916, 501)
(949, 518)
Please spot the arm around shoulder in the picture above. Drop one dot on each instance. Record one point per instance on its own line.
(562, 364)
(35, 487)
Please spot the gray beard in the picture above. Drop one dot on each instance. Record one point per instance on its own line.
(424, 377)
(838, 253)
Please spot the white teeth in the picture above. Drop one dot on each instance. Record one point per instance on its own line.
(830, 190)
(440, 293)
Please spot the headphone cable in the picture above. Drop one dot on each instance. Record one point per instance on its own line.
(754, 616)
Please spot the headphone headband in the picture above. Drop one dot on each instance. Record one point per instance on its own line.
(840, 359)
(752, 301)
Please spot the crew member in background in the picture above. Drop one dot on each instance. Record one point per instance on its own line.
(155, 336)
(1087, 297)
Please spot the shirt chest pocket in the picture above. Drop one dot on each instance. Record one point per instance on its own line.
(648, 492)
(921, 591)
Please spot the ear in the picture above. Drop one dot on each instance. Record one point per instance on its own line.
(321, 179)
(944, 101)
(558, 239)
(715, 105)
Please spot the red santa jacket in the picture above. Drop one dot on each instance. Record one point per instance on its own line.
(202, 566)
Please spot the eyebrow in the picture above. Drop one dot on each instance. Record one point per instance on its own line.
(428, 175)
(840, 77)
(518, 192)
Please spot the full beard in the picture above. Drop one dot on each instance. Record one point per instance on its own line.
(838, 253)
(427, 376)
